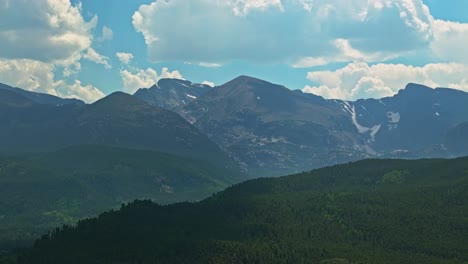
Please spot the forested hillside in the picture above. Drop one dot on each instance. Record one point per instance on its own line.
(372, 211)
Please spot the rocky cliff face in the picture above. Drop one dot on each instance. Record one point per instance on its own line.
(172, 94)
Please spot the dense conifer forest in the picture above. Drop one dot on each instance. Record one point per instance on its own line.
(371, 211)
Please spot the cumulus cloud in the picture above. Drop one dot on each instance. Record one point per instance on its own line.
(38, 76)
(450, 40)
(95, 57)
(42, 37)
(87, 93)
(346, 53)
(43, 30)
(28, 74)
(124, 57)
(290, 31)
(139, 78)
(360, 80)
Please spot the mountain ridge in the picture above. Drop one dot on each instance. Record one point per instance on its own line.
(267, 127)
(117, 120)
(41, 98)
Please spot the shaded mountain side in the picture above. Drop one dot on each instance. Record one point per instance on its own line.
(414, 120)
(41, 98)
(456, 140)
(11, 99)
(172, 94)
(117, 120)
(372, 211)
(39, 192)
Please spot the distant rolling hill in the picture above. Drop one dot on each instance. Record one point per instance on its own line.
(41, 191)
(372, 211)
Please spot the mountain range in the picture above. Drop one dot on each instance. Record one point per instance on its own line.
(272, 130)
(265, 129)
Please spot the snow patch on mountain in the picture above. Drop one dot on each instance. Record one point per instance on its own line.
(374, 130)
(394, 117)
(352, 110)
(183, 84)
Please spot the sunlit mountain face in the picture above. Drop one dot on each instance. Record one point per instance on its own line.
(164, 131)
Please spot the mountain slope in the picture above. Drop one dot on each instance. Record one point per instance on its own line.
(457, 139)
(271, 129)
(11, 99)
(172, 94)
(372, 211)
(42, 191)
(414, 121)
(40, 97)
(117, 120)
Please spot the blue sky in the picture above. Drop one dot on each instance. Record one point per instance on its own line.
(335, 48)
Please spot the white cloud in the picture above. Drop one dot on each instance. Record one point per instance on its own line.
(38, 76)
(360, 80)
(87, 93)
(450, 41)
(211, 84)
(43, 30)
(291, 31)
(107, 34)
(28, 74)
(44, 36)
(139, 78)
(124, 57)
(243, 7)
(95, 57)
(346, 53)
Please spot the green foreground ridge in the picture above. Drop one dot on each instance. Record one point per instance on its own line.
(371, 211)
